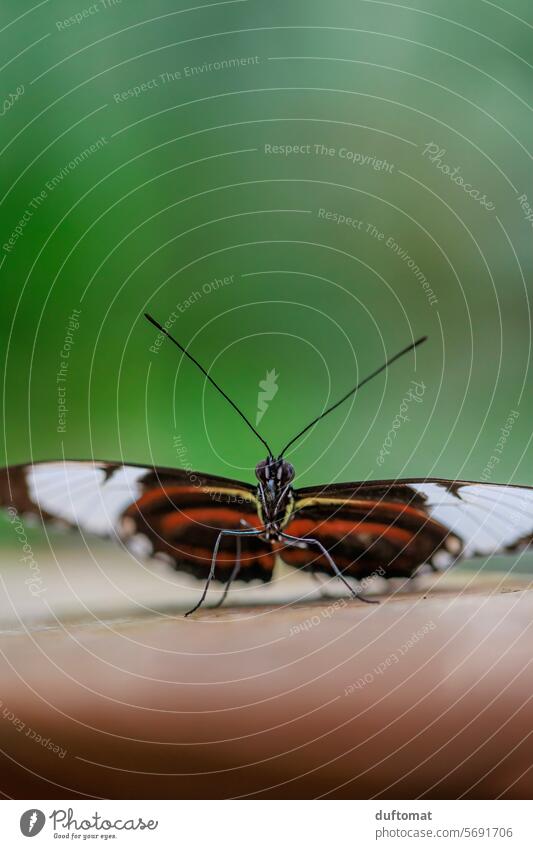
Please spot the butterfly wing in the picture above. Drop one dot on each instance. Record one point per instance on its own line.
(392, 528)
(167, 512)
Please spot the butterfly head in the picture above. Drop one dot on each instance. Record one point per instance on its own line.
(274, 475)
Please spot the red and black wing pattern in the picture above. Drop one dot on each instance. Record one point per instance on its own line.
(169, 513)
(392, 528)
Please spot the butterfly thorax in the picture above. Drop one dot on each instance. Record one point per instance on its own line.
(275, 495)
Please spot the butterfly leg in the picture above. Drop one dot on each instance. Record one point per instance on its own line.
(332, 563)
(234, 572)
(318, 580)
(214, 561)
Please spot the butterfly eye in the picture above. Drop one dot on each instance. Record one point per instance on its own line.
(286, 472)
(262, 470)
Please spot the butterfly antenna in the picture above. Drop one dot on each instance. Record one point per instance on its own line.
(389, 362)
(210, 379)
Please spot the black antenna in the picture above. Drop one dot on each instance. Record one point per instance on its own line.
(210, 379)
(353, 391)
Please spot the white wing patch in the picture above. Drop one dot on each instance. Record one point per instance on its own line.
(80, 494)
(486, 517)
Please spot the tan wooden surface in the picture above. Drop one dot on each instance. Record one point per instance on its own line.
(293, 700)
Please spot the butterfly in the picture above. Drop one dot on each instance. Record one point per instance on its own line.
(220, 529)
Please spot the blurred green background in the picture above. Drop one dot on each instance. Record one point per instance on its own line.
(185, 188)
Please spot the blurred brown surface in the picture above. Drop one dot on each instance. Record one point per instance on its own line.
(299, 701)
